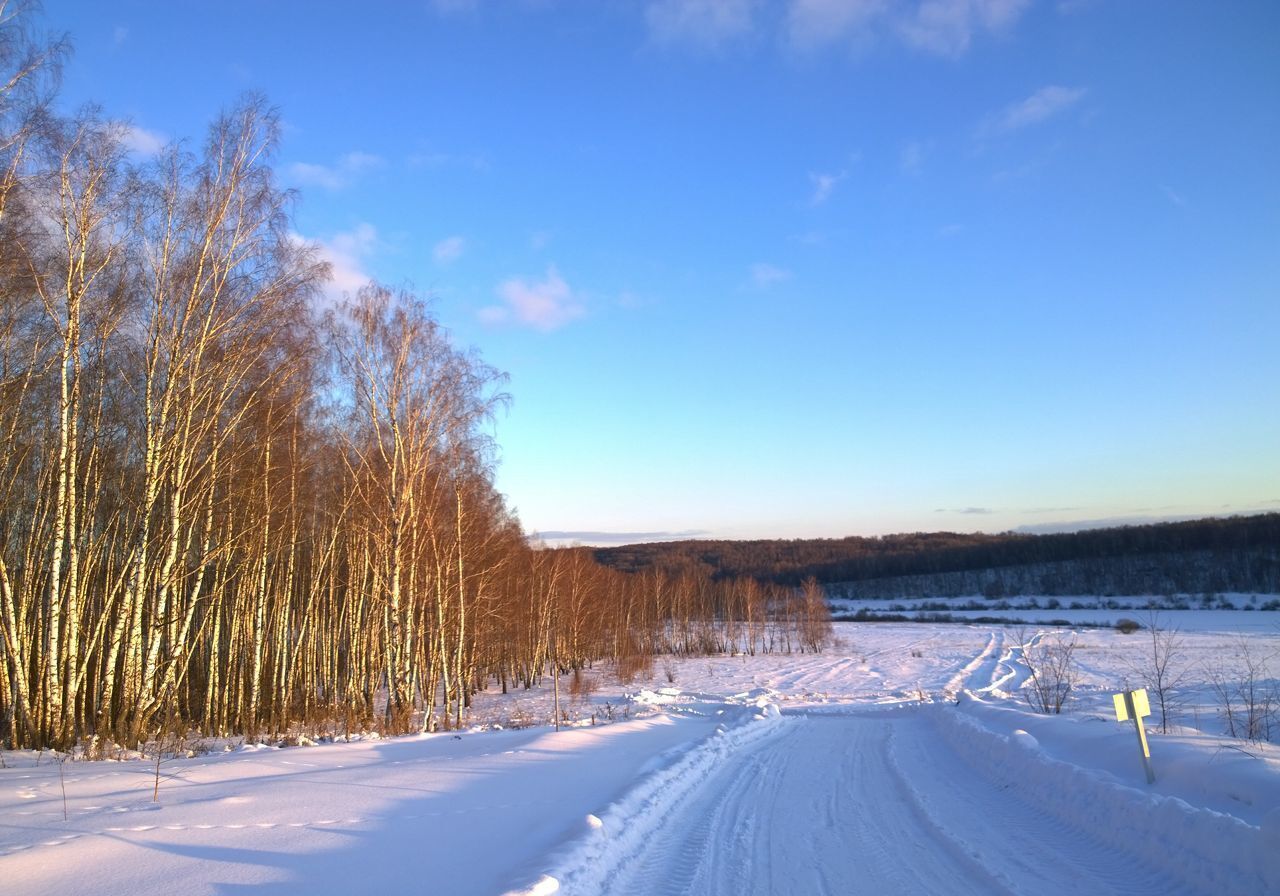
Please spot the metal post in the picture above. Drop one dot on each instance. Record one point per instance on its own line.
(1142, 736)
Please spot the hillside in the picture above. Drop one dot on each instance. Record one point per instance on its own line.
(1222, 554)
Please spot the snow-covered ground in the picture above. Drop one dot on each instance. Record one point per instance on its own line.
(903, 759)
(1230, 612)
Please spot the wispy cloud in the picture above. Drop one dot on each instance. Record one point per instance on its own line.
(1174, 196)
(448, 250)
(119, 35)
(911, 157)
(1040, 106)
(142, 142)
(814, 23)
(544, 305)
(338, 175)
(948, 27)
(346, 254)
(824, 184)
(764, 275)
(940, 27)
(705, 24)
(968, 511)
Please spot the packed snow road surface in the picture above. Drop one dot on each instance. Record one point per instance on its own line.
(860, 802)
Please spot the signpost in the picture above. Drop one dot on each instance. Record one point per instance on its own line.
(1134, 705)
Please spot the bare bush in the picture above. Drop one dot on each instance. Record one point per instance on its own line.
(1161, 670)
(582, 686)
(1050, 661)
(1248, 697)
(633, 665)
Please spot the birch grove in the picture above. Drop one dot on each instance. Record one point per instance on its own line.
(227, 509)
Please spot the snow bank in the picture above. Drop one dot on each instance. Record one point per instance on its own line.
(1216, 852)
(622, 831)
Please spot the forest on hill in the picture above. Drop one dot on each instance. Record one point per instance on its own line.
(1221, 554)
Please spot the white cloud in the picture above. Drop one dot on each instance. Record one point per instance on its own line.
(545, 305)
(142, 142)
(357, 161)
(813, 23)
(708, 24)
(1040, 106)
(337, 175)
(911, 157)
(764, 275)
(824, 185)
(448, 250)
(942, 27)
(947, 27)
(346, 253)
(317, 175)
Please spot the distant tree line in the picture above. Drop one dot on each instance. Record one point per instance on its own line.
(225, 506)
(1230, 554)
(1193, 572)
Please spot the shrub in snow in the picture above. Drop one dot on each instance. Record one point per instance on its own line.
(1052, 669)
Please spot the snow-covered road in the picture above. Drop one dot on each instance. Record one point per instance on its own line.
(868, 802)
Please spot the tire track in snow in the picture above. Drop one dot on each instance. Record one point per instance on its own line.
(781, 819)
(852, 803)
(623, 837)
(980, 668)
(1012, 671)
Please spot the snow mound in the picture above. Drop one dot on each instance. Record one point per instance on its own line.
(1023, 739)
(768, 711)
(1215, 852)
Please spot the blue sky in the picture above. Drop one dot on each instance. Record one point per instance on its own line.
(789, 268)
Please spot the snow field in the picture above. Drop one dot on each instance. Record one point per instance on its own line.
(869, 780)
